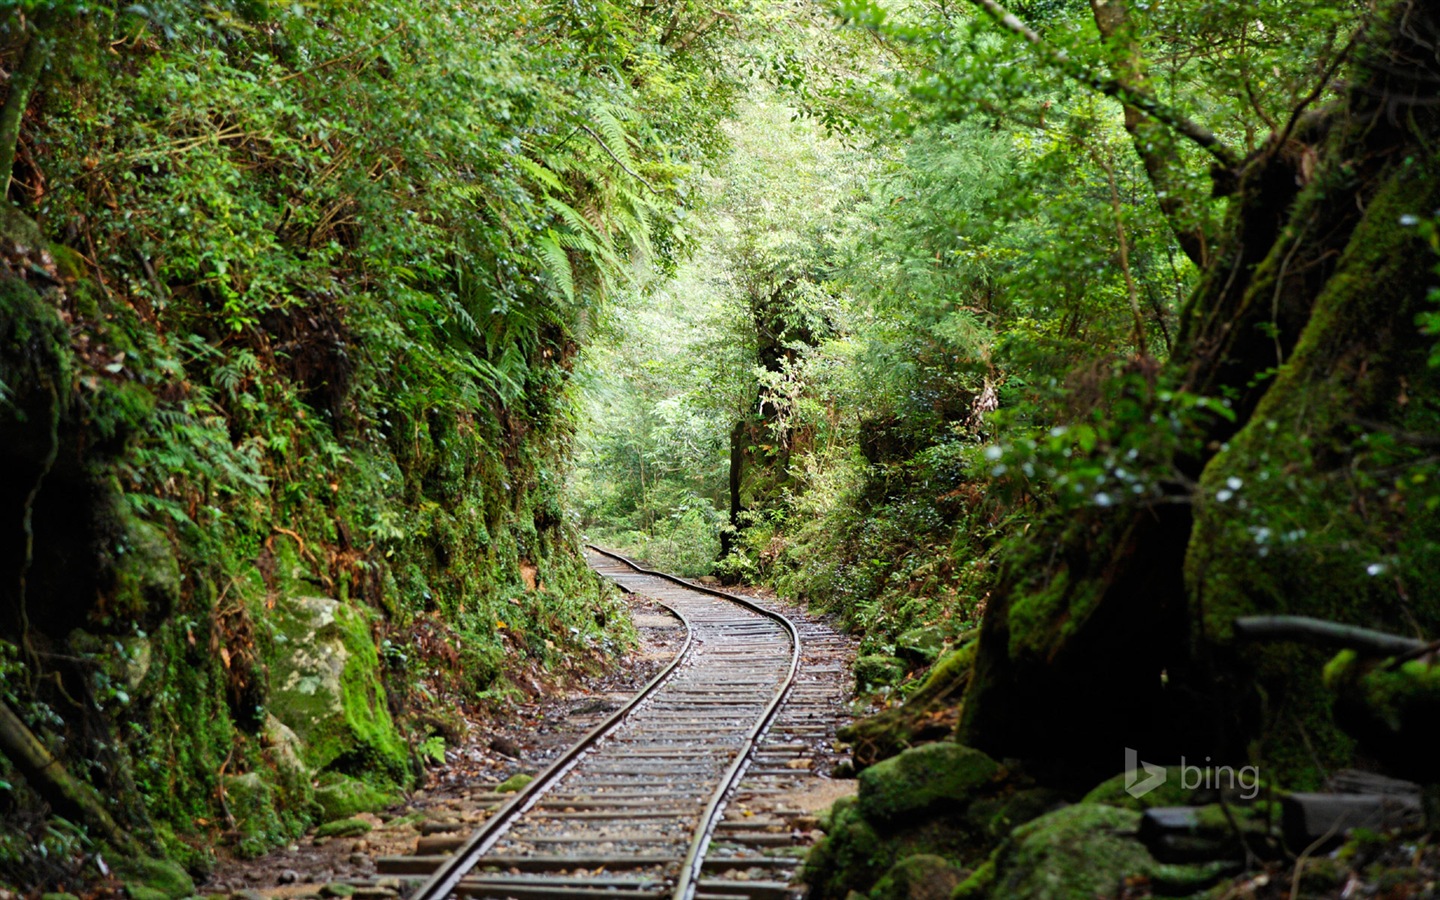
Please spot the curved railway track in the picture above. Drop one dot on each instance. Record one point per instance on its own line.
(630, 810)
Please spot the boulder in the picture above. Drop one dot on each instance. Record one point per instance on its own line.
(325, 687)
(923, 876)
(1081, 852)
(924, 779)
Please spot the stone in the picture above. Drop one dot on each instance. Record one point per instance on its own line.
(1084, 851)
(337, 889)
(924, 779)
(325, 686)
(920, 646)
(162, 875)
(877, 671)
(343, 828)
(287, 876)
(514, 783)
(283, 746)
(342, 797)
(923, 876)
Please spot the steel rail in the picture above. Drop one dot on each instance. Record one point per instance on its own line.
(453, 870)
(695, 858)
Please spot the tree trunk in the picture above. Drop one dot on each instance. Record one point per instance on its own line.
(1113, 628)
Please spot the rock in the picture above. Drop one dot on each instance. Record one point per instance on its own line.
(1084, 851)
(514, 783)
(325, 686)
(920, 646)
(137, 891)
(161, 875)
(877, 671)
(283, 746)
(923, 779)
(359, 859)
(851, 853)
(337, 889)
(1170, 792)
(248, 895)
(342, 797)
(923, 876)
(343, 828)
(287, 876)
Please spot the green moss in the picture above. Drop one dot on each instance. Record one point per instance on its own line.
(851, 854)
(160, 875)
(979, 883)
(920, 646)
(514, 782)
(1112, 792)
(923, 876)
(343, 828)
(1082, 852)
(326, 687)
(342, 797)
(923, 779)
(877, 671)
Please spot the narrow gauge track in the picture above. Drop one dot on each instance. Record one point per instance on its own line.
(628, 812)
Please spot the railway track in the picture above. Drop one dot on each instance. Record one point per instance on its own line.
(654, 801)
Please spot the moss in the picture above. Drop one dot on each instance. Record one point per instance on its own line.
(978, 884)
(343, 828)
(877, 671)
(326, 687)
(923, 876)
(1086, 851)
(1300, 512)
(923, 779)
(920, 646)
(514, 782)
(1112, 792)
(850, 854)
(1389, 707)
(342, 797)
(166, 877)
(995, 817)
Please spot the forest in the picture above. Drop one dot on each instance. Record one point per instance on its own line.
(1078, 357)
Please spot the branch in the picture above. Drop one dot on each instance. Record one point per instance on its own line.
(22, 82)
(1326, 634)
(1113, 87)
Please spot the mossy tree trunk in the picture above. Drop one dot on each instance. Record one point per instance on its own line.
(1111, 628)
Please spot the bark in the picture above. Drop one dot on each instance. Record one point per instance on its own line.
(1112, 628)
(56, 785)
(1154, 143)
(22, 84)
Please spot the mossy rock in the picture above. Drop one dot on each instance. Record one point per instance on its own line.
(923, 779)
(343, 828)
(325, 686)
(920, 646)
(877, 671)
(923, 876)
(58, 896)
(162, 876)
(342, 797)
(1391, 710)
(1113, 792)
(850, 854)
(1085, 851)
(514, 783)
(996, 817)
